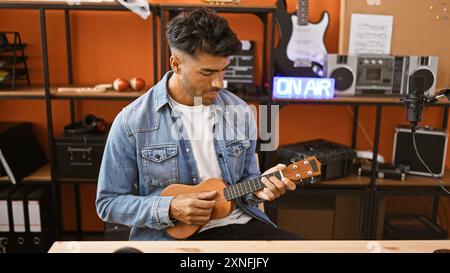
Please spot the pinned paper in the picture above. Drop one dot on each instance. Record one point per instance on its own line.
(370, 34)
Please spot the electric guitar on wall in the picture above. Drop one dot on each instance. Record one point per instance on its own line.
(304, 171)
(301, 50)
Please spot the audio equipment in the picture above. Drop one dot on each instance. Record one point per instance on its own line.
(375, 74)
(425, 68)
(381, 75)
(432, 146)
(89, 125)
(239, 74)
(342, 68)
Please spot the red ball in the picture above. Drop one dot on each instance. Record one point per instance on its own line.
(137, 84)
(120, 84)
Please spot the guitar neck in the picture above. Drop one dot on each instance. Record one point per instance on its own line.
(248, 186)
(303, 12)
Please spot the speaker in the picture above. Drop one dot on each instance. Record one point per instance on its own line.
(342, 68)
(423, 68)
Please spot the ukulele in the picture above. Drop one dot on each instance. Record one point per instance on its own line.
(303, 171)
(301, 50)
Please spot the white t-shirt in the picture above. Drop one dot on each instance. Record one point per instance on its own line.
(198, 124)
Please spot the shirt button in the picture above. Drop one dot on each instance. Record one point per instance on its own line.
(187, 150)
(195, 179)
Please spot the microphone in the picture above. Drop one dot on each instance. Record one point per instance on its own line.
(415, 100)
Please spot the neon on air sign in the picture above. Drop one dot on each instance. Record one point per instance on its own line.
(296, 88)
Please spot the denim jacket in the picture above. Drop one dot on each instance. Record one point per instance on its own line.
(144, 154)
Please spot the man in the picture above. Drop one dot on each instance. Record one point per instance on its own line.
(175, 134)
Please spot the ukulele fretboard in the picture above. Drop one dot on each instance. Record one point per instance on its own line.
(248, 186)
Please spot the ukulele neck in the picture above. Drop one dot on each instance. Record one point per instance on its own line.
(248, 186)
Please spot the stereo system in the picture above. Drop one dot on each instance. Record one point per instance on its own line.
(385, 75)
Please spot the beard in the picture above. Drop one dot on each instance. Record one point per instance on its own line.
(207, 97)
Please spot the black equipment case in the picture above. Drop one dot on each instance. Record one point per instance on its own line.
(79, 156)
(336, 159)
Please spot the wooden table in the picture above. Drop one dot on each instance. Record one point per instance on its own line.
(252, 246)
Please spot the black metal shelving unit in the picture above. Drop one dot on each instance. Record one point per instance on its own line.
(45, 92)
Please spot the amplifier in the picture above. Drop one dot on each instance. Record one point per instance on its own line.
(432, 147)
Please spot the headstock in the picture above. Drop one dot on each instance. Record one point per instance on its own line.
(305, 169)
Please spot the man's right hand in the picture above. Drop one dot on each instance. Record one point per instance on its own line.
(193, 208)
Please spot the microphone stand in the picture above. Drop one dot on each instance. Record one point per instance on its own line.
(443, 93)
(414, 102)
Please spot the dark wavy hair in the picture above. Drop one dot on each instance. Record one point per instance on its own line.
(202, 31)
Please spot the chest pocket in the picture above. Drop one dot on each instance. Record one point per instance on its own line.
(237, 147)
(160, 164)
(236, 156)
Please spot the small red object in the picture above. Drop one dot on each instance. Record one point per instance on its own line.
(120, 84)
(137, 83)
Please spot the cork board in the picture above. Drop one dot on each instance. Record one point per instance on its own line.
(416, 29)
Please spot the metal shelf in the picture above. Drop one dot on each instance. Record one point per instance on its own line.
(60, 5)
(367, 101)
(28, 92)
(415, 181)
(108, 95)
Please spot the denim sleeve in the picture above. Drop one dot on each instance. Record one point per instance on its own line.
(117, 184)
(251, 169)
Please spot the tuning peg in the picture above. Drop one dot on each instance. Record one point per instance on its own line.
(292, 160)
(312, 180)
(294, 167)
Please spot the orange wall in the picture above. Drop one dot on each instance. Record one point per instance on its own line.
(107, 45)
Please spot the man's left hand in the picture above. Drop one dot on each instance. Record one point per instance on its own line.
(274, 186)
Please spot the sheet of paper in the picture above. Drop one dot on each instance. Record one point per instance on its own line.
(370, 34)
